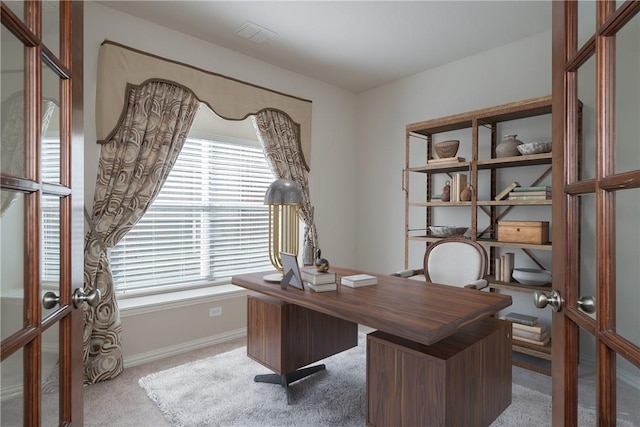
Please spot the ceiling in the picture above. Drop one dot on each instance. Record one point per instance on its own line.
(355, 45)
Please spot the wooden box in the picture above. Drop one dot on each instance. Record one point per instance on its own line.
(536, 232)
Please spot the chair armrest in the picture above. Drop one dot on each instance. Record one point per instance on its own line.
(407, 273)
(477, 284)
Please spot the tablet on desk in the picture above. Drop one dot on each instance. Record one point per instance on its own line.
(291, 271)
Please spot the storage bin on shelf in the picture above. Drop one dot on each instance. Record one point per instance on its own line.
(535, 232)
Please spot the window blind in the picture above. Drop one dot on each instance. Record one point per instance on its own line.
(50, 205)
(208, 222)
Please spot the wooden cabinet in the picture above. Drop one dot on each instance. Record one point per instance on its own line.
(479, 132)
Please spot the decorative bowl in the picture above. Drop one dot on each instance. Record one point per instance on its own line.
(531, 276)
(447, 230)
(535, 147)
(446, 149)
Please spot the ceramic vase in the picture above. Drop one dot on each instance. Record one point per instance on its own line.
(508, 147)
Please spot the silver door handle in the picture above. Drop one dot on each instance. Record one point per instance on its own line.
(80, 297)
(587, 304)
(50, 300)
(541, 300)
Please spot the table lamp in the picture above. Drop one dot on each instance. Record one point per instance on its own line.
(284, 198)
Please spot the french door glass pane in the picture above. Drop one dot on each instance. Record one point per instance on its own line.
(50, 377)
(587, 280)
(50, 246)
(12, 156)
(586, 380)
(586, 21)
(16, 7)
(11, 390)
(12, 263)
(50, 125)
(586, 94)
(627, 265)
(628, 387)
(51, 26)
(628, 97)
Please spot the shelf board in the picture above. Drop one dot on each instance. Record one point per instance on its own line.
(531, 363)
(442, 168)
(515, 286)
(541, 351)
(514, 202)
(505, 162)
(495, 243)
(439, 203)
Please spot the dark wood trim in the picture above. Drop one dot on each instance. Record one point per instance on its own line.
(583, 55)
(621, 181)
(18, 28)
(18, 340)
(626, 349)
(619, 18)
(581, 187)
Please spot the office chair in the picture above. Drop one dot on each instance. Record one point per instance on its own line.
(456, 261)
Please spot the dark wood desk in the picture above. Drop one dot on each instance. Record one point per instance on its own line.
(411, 317)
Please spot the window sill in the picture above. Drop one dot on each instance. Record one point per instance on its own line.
(184, 298)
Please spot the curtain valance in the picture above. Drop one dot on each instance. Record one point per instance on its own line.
(231, 99)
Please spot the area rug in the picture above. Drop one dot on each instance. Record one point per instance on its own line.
(220, 391)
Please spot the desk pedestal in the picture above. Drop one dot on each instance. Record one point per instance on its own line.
(463, 380)
(285, 337)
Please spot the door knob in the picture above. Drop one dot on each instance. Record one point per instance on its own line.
(80, 297)
(50, 300)
(541, 300)
(587, 304)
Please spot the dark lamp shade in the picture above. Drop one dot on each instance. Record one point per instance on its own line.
(283, 192)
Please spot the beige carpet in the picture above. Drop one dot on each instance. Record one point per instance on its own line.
(219, 391)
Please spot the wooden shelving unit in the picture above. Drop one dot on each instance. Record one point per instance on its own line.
(529, 356)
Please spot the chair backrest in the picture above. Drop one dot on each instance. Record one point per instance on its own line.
(455, 261)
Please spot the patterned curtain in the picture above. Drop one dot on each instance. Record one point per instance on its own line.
(134, 164)
(280, 139)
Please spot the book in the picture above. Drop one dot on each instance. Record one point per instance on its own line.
(546, 188)
(529, 334)
(459, 183)
(446, 160)
(357, 280)
(521, 318)
(506, 261)
(537, 328)
(501, 195)
(529, 193)
(315, 277)
(498, 269)
(527, 340)
(327, 287)
(530, 198)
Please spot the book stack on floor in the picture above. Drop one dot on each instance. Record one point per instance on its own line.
(319, 281)
(527, 329)
(358, 280)
(531, 193)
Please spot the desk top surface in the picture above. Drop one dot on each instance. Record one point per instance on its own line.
(418, 311)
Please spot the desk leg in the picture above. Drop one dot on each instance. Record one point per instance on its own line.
(286, 379)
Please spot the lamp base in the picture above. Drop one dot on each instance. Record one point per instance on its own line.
(273, 278)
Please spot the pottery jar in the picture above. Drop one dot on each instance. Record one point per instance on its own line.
(507, 148)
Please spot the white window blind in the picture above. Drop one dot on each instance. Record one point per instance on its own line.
(208, 222)
(50, 205)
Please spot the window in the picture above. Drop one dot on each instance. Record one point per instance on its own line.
(208, 222)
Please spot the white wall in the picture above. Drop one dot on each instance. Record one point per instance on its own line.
(333, 155)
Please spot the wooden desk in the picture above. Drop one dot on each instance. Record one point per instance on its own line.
(409, 311)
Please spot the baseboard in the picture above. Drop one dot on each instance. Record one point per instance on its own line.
(161, 353)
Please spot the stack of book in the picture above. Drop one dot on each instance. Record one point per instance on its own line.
(446, 160)
(358, 280)
(527, 329)
(531, 193)
(507, 190)
(504, 267)
(319, 281)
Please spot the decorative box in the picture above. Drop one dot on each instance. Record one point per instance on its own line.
(536, 232)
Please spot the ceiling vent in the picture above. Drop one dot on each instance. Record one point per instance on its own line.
(255, 32)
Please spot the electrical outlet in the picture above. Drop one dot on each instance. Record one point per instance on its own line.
(215, 311)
